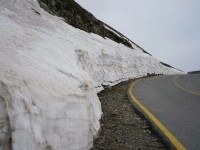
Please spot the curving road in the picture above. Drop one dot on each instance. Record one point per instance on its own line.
(175, 102)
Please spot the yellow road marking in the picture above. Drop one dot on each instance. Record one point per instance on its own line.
(186, 90)
(177, 144)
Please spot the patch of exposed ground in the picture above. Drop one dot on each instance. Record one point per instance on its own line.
(122, 127)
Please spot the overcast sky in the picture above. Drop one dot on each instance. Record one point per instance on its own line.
(168, 29)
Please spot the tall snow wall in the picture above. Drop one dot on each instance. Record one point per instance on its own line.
(50, 74)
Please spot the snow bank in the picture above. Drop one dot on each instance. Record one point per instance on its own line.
(50, 73)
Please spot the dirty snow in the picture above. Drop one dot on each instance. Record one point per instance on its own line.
(50, 74)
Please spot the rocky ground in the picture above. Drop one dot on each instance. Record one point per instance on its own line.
(122, 127)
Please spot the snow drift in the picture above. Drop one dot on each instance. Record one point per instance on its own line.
(50, 74)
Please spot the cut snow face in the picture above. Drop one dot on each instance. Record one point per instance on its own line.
(50, 73)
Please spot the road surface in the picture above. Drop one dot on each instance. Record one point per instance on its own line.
(174, 102)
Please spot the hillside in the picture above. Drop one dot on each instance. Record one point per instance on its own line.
(50, 74)
(78, 17)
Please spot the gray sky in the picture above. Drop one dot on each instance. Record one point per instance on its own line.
(168, 29)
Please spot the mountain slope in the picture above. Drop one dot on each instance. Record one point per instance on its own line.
(80, 18)
(50, 73)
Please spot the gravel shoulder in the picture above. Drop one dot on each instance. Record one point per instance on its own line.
(122, 126)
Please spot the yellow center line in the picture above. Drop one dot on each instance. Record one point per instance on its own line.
(184, 89)
(177, 144)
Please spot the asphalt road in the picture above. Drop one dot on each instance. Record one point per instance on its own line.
(175, 102)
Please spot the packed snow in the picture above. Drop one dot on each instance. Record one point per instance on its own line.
(50, 73)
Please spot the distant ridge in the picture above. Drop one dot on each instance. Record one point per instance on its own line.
(194, 72)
